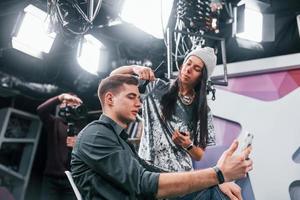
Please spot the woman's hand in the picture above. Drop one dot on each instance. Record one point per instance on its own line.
(181, 138)
(144, 73)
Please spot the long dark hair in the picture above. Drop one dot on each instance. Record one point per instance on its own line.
(168, 102)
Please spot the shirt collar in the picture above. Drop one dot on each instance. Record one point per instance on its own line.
(117, 128)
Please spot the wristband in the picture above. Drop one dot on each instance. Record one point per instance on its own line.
(189, 147)
(219, 174)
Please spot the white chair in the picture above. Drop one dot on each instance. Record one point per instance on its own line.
(75, 189)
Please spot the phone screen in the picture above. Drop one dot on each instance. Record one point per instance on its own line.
(182, 133)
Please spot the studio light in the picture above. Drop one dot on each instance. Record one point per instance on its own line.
(91, 54)
(149, 16)
(32, 36)
(252, 28)
(251, 24)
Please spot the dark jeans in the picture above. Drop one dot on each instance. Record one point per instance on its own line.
(212, 193)
(57, 189)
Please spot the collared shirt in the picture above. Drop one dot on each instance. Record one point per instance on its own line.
(156, 143)
(105, 167)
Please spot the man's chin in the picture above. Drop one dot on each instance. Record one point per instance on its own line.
(131, 119)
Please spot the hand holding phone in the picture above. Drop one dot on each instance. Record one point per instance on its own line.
(181, 138)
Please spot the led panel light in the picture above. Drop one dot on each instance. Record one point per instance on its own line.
(91, 52)
(149, 16)
(32, 36)
(253, 25)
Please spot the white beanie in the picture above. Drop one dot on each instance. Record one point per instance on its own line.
(207, 55)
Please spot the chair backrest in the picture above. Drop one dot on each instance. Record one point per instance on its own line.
(75, 189)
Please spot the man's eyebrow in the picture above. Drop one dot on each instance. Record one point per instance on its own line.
(132, 94)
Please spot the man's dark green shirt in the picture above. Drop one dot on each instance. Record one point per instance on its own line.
(105, 167)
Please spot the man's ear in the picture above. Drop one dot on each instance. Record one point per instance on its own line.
(109, 99)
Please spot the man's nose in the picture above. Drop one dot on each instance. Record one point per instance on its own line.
(138, 103)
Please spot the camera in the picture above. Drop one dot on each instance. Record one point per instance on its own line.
(73, 113)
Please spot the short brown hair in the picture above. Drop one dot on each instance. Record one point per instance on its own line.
(114, 83)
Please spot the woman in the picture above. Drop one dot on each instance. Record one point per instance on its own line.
(178, 122)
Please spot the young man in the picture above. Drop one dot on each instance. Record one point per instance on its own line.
(178, 122)
(105, 166)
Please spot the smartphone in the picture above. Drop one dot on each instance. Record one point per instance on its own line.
(247, 141)
(182, 133)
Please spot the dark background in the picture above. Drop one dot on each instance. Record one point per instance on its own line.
(125, 43)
